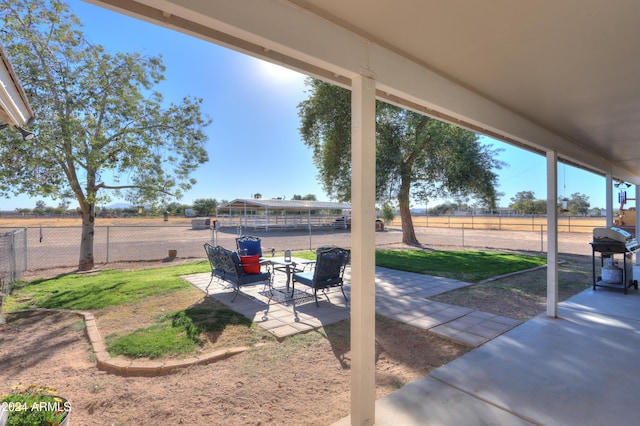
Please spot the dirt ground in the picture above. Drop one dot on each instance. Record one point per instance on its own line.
(524, 296)
(303, 384)
(307, 386)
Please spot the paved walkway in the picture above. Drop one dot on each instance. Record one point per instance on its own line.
(578, 369)
(399, 295)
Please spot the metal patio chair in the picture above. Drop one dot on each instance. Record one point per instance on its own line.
(331, 262)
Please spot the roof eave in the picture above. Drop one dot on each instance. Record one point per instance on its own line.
(15, 109)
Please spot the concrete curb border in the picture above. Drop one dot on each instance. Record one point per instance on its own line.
(511, 274)
(131, 368)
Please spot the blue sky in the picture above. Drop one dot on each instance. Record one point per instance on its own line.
(254, 144)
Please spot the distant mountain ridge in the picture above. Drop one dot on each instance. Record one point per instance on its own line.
(119, 206)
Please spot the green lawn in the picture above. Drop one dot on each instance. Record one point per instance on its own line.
(100, 290)
(308, 254)
(174, 333)
(469, 266)
(183, 331)
(523, 296)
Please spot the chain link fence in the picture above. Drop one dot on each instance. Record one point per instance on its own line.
(13, 255)
(54, 247)
(59, 247)
(506, 223)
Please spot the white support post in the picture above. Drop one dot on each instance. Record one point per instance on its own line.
(309, 220)
(637, 219)
(245, 215)
(609, 199)
(363, 240)
(552, 234)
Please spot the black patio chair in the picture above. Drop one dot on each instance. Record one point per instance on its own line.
(331, 262)
(228, 266)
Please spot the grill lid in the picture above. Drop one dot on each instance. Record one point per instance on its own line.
(614, 240)
(611, 234)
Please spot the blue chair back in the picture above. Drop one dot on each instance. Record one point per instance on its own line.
(249, 245)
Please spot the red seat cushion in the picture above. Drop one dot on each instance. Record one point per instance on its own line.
(250, 264)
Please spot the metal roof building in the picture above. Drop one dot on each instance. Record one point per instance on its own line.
(268, 214)
(286, 205)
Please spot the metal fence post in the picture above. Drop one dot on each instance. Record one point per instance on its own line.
(26, 249)
(541, 238)
(463, 235)
(12, 257)
(108, 244)
(2, 320)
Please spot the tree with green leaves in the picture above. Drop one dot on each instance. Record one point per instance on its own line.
(175, 207)
(445, 208)
(308, 197)
(416, 156)
(578, 204)
(101, 127)
(205, 206)
(387, 213)
(41, 206)
(525, 202)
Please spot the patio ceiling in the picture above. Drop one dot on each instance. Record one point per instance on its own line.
(556, 75)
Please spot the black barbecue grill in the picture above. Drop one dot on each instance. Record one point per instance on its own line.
(609, 243)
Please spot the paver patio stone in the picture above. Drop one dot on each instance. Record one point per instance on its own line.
(401, 296)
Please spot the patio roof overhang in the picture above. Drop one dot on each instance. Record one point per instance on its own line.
(14, 106)
(558, 78)
(541, 75)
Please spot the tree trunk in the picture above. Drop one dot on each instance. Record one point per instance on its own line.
(408, 233)
(86, 262)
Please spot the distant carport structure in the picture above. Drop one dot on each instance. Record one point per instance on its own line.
(269, 214)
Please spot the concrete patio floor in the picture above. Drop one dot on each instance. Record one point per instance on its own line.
(399, 295)
(577, 369)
